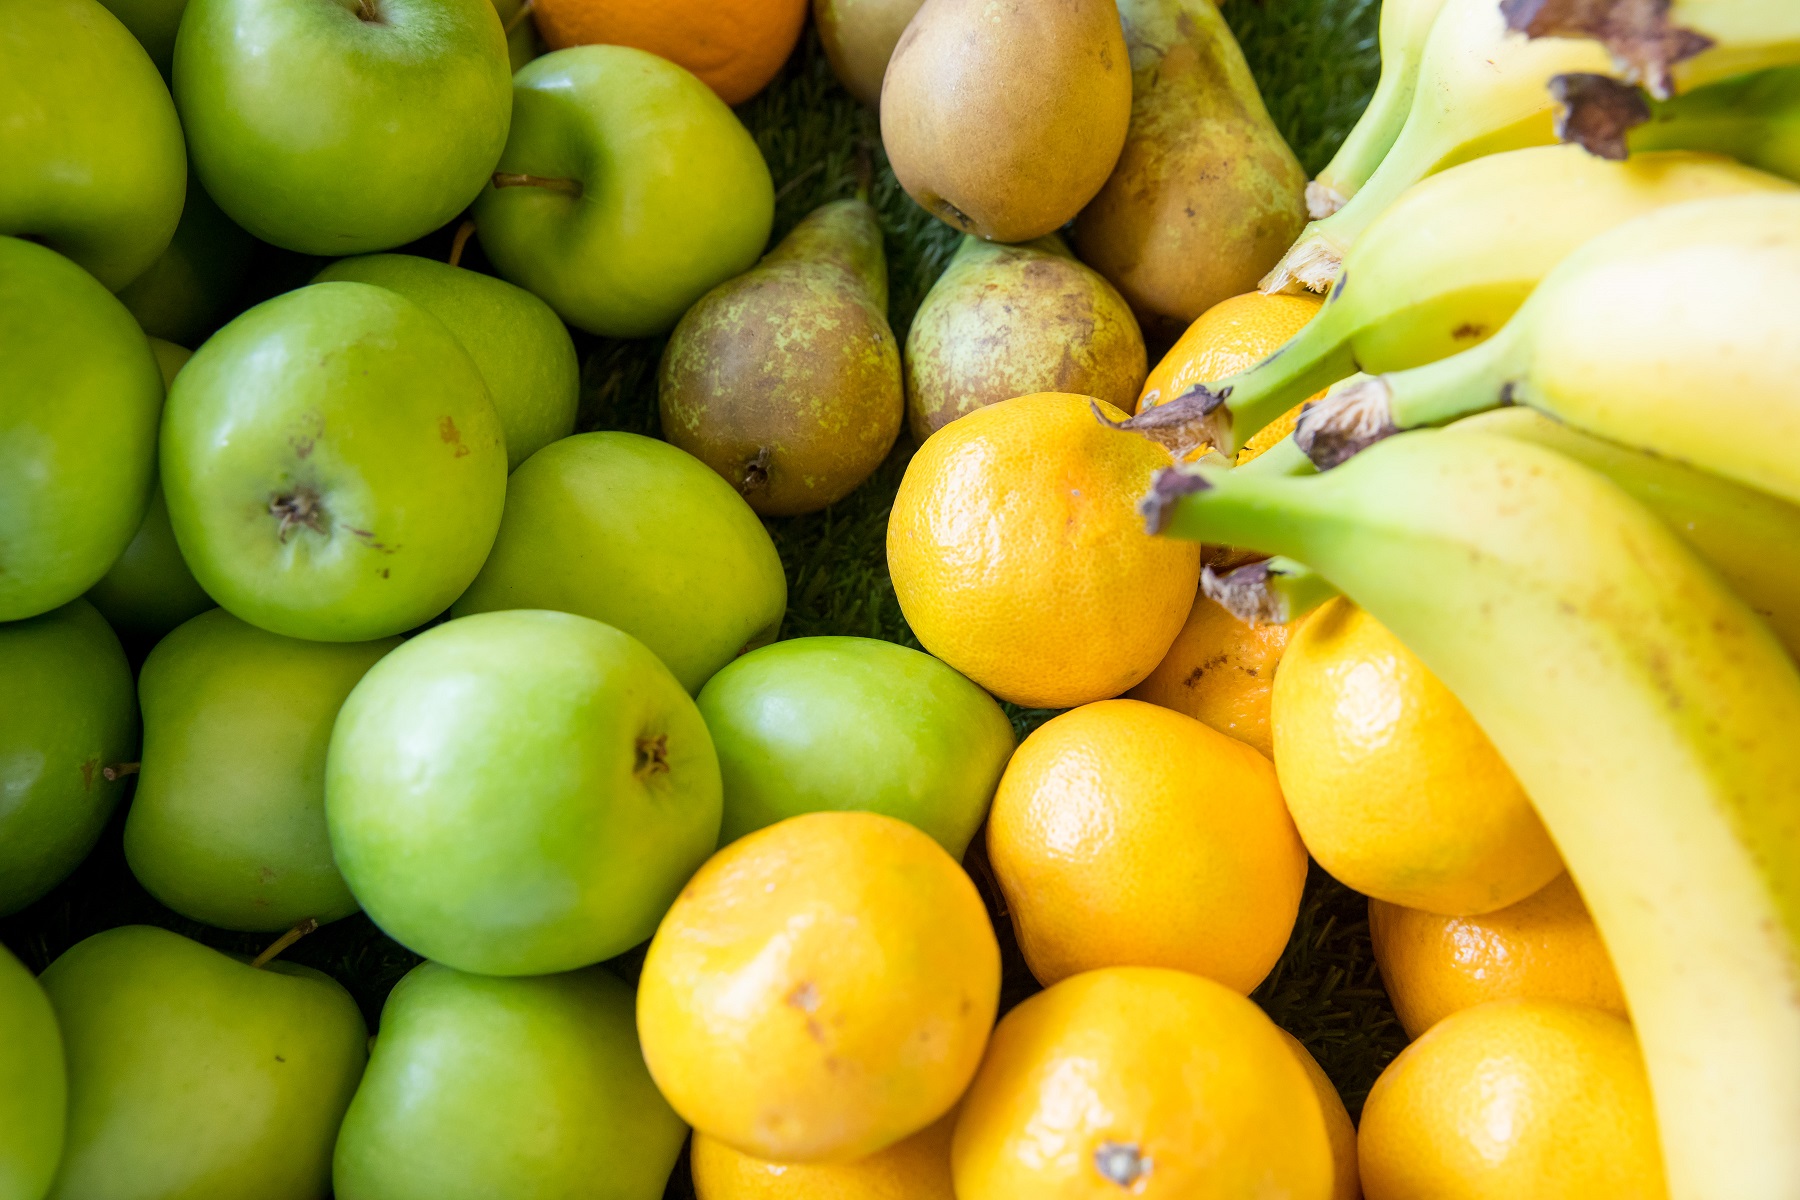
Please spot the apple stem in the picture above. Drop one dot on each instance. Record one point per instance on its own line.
(524, 11)
(571, 187)
(119, 771)
(460, 241)
(302, 927)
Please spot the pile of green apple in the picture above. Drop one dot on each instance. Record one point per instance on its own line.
(409, 645)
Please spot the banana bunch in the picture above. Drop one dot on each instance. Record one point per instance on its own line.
(1646, 710)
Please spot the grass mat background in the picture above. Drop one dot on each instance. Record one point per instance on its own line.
(1316, 61)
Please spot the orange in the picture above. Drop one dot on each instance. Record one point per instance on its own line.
(821, 989)
(734, 46)
(1126, 835)
(1232, 336)
(1339, 1130)
(1139, 1082)
(1019, 557)
(1396, 790)
(1220, 671)
(1513, 1099)
(915, 1169)
(1545, 947)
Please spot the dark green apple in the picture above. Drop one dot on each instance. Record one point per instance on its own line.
(521, 346)
(343, 126)
(844, 723)
(519, 793)
(153, 23)
(627, 190)
(228, 822)
(522, 41)
(149, 590)
(194, 1074)
(188, 290)
(79, 396)
(532, 1089)
(67, 714)
(34, 1084)
(333, 465)
(94, 164)
(633, 532)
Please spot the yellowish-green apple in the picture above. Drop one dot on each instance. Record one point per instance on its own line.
(34, 1084)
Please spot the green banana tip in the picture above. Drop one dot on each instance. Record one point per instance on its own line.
(1166, 489)
(1244, 592)
(1195, 418)
(1350, 419)
(1596, 112)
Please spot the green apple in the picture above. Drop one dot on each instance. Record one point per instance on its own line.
(228, 823)
(187, 291)
(532, 1089)
(522, 41)
(846, 723)
(194, 1074)
(149, 590)
(522, 348)
(633, 532)
(333, 465)
(67, 714)
(79, 398)
(94, 164)
(153, 23)
(34, 1084)
(627, 190)
(518, 793)
(342, 126)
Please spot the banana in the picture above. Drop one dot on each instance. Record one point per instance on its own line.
(1754, 118)
(1676, 333)
(1480, 90)
(1648, 714)
(1671, 46)
(1405, 24)
(1453, 259)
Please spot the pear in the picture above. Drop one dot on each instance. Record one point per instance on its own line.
(1004, 117)
(1206, 194)
(859, 37)
(1005, 321)
(786, 380)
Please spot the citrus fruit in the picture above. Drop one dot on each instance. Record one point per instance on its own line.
(1545, 947)
(734, 46)
(1219, 671)
(1233, 335)
(915, 1169)
(1137, 1081)
(1513, 1098)
(1340, 1131)
(1396, 790)
(1124, 834)
(821, 989)
(1019, 557)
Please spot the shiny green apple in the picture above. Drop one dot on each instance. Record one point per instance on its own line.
(532, 1089)
(228, 822)
(522, 348)
(626, 191)
(34, 1084)
(633, 532)
(194, 1074)
(93, 160)
(67, 714)
(333, 465)
(518, 793)
(79, 397)
(844, 723)
(343, 126)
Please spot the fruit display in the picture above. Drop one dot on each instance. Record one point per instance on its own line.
(765, 600)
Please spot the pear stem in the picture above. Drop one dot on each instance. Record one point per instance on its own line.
(865, 172)
(517, 18)
(460, 241)
(119, 771)
(506, 179)
(302, 927)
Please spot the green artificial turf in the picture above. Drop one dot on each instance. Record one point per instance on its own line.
(1316, 61)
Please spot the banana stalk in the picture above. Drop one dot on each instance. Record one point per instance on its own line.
(1670, 46)
(1645, 710)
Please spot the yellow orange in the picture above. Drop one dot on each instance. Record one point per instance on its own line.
(1124, 834)
(734, 46)
(1019, 557)
(1395, 789)
(1514, 1099)
(1140, 1082)
(821, 989)
(1346, 1184)
(1545, 947)
(915, 1169)
(1220, 671)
